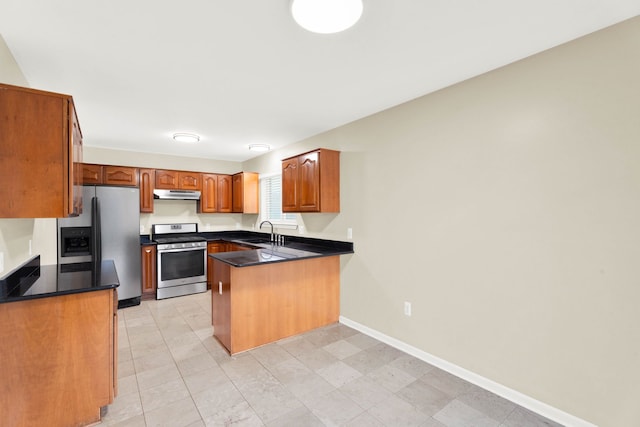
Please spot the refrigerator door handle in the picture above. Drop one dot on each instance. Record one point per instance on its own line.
(96, 237)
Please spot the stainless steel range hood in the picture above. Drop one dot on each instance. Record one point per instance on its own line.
(176, 194)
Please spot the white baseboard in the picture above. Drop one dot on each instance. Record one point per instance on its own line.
(514, 396)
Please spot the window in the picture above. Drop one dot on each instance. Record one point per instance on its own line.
(271, 201)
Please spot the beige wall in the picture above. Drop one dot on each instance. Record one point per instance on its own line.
(506, 209)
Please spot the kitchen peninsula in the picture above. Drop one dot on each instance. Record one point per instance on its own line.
(59, 344)
(274, 291)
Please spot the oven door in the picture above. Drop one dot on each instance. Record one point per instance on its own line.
(181, 266)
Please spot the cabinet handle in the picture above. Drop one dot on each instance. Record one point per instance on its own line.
(220, 287)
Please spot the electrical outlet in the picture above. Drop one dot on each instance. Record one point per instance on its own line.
(1, 261)
(30, 252)
(349, 233)
(407, 308)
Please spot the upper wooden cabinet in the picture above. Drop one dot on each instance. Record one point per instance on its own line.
(109, 175)
(216, 194)
(120, 175)
(311, 182)
(246, 193)
(92, 174)
(41, 145)
(178, 180)
(147, 180)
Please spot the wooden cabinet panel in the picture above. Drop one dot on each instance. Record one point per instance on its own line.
(256, 305)
(311, 182)
(216, 194)
(167, 180)
(149, 271)
(41, 146)
(208, 202)
(290, 185)
(178, 180)
(58, 356)
(147, 180)
(225, 187)
(246, 193)
(189, 180)
(120, 175)
(221, 303)
(91, 174)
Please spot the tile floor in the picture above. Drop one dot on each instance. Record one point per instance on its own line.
(172, 372)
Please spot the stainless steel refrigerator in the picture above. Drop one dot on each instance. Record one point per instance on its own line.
(108, 228)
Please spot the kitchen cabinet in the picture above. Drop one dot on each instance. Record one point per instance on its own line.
(216, 194)
(178, 180)
(149, 271)
(246, 193)
(41, 145)
(147, 178)
(311, 182)
(91, 174)
(257, 305)
(59, 359)
(212, 248)
(109, 175)
(120, 175)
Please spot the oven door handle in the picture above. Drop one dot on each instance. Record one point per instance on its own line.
(164, 251)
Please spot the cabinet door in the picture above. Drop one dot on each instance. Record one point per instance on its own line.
(309, 183)
(149, 278)
(209, 196)
(190, 180)
(121, 175)
(290, 185)
(237, 192)
(147, 179)
(91, 174)
(246, 198)
(167, 180)
(225, 187)
(41, 148)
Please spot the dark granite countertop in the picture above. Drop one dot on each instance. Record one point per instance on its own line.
(293, 248)
(32, 280)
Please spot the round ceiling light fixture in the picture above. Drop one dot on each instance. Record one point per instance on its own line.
(186, 137)
(326, 16)
(259, 147)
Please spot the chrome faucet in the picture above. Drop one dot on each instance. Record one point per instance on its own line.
(268, 222)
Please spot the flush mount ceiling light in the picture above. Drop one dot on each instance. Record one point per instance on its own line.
(186, 137)
(326, 16)
(259, 147)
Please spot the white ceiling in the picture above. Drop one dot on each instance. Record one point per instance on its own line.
(241, 71)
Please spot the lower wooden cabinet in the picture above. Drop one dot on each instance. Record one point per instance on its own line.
(59, 358)
(149, 271)
(257, 305)
(212, 248)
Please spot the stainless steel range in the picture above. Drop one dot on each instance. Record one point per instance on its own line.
(182, 259)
